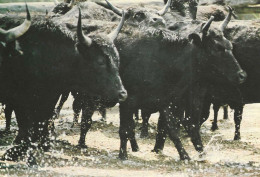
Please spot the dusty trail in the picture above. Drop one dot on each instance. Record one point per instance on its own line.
(225, 157)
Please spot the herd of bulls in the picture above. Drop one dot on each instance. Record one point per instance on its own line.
(178, 70)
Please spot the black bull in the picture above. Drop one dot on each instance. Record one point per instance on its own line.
(156, 77)
(49, 66)
(246, 49)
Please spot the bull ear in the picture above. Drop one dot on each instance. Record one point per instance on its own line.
(195, 38)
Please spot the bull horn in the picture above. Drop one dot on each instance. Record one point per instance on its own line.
(205, 28)
(56, 2)
(14, 33)
(81, 37)
(165, 8)
(71, 4)
(115, 33)
(227, 19)
(115, 9)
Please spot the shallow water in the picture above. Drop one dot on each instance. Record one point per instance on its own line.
(224, 157)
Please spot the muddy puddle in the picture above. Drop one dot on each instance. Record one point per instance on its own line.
(224, 157)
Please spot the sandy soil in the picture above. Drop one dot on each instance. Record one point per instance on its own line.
(225, 157)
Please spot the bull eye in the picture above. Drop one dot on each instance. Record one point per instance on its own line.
(139, 16)
(155, 19)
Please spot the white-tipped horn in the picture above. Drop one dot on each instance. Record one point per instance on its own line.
(115, 33)
(205, 28)
(81, 37)
(227, 19)
(115, 9)
(14, 33)
(165, 8)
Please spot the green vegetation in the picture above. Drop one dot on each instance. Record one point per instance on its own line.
(247, 12)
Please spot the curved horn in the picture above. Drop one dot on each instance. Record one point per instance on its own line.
(56, 2)
(14, 33)
(81, 37)
(115, 9)
(227, 19)
(114, 33)
(71, 4)
(205, 28)
(165, 8)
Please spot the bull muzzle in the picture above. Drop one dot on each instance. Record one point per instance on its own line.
(242, 76)
(122, 95)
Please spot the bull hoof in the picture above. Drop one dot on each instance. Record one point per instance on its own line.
(134, 145)
(157, 150)
(184, 156)
(14, 153)
(82, 146)
(31, 162)
(202, 155)
(214, 127)
(135, 149)
(236, 138)
(123, 156)
(144, 134)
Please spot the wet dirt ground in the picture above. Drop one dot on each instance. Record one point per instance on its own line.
(225, 157)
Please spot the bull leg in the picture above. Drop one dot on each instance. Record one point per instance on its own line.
(136, 114)
(160, 135)
(23, 121)
(193, 6)
(42, 115)
(216, 107)
(126, 130)
(195, 106)
(76, 106)
(144, 129)
(205, 112)
(63, 99)
(86, 121)
(237, 118)
(8, 114)
(225, 108)
(172, 123)
(103, 113)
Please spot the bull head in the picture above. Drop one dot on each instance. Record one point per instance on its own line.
(218, 51)
(139, 16)
(14, 33)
